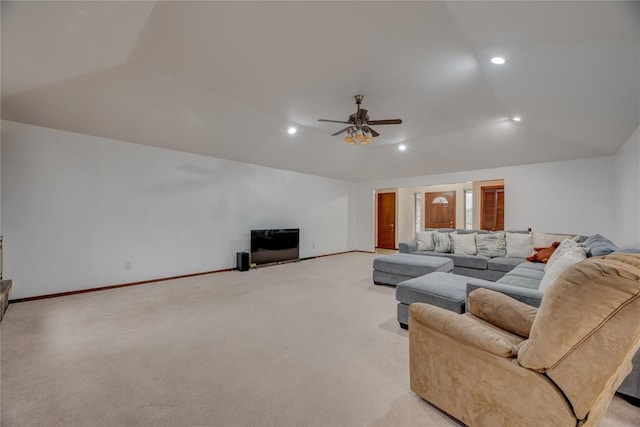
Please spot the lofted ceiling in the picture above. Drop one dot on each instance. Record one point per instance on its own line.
(227, 79)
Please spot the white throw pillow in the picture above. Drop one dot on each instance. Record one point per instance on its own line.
(564, 261)
(567, 245)
(544, 240)
(424, 239)
(442, 241)
(519, 245)
(464, 244)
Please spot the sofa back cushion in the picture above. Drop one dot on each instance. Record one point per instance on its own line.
(425, 242)
(519, 245)
(567, 245)
(561, 263)
(491, 245)
(599, 245)
(442, 241)
(464, 244)
(542, 240)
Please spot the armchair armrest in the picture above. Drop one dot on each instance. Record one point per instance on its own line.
(407, 247)
(532, 297)
(459, 327)
(502, 311)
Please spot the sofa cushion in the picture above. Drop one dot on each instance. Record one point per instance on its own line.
(519, 281)
(411, 265)
(444, 290)
(525, 275)
(442, 241)
(562, 263)
(491, 245)
(466, 231)
(542, 240)
(599, 245)
(424, 240)
(519, 245)
(567, 245)
(464, 244)
(428, 253)
(531, 265)
(471, 261)
(503, 263)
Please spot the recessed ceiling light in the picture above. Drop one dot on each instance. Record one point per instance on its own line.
(498, 60)
(516, 119)
(402, 147)
(292, 130)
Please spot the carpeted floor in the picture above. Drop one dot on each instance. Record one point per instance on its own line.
(313, 343)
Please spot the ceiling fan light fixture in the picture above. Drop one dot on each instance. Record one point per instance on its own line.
(358, 129)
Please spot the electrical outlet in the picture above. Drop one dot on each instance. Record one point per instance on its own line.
(313, 246)
(127, 265)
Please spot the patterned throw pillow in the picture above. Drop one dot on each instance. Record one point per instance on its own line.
(464, 244)
(425, 242)
(519, 245)
(491, 245)
(442, 242)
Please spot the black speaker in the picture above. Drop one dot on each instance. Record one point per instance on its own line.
(242, 261)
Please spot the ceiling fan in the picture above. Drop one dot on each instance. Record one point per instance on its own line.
(359, 128)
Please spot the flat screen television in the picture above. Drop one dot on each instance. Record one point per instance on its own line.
(275, 245)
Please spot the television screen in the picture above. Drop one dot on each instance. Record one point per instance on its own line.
(276, 245)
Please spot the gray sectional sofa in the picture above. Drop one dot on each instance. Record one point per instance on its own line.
(478, 266)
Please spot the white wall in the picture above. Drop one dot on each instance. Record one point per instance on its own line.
(569, 197)
(627, 193)
(76, 208)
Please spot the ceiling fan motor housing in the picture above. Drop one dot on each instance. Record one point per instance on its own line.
(359, 123)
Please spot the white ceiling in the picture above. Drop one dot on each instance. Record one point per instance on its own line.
(227, 79)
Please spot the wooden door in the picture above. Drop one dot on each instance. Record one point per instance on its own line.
(440, 209)
(492, 208)
(386, 220)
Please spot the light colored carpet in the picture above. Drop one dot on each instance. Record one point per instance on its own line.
(313, 343)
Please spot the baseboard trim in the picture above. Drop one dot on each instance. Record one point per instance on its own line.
(336, 253)
(143, 282)
(121, 285)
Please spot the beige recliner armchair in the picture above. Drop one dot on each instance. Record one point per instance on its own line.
(506, 363)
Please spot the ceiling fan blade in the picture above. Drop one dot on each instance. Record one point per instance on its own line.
(385, 122)
(333, 121)
(341, 131)
(373, 133)
(362, 113)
